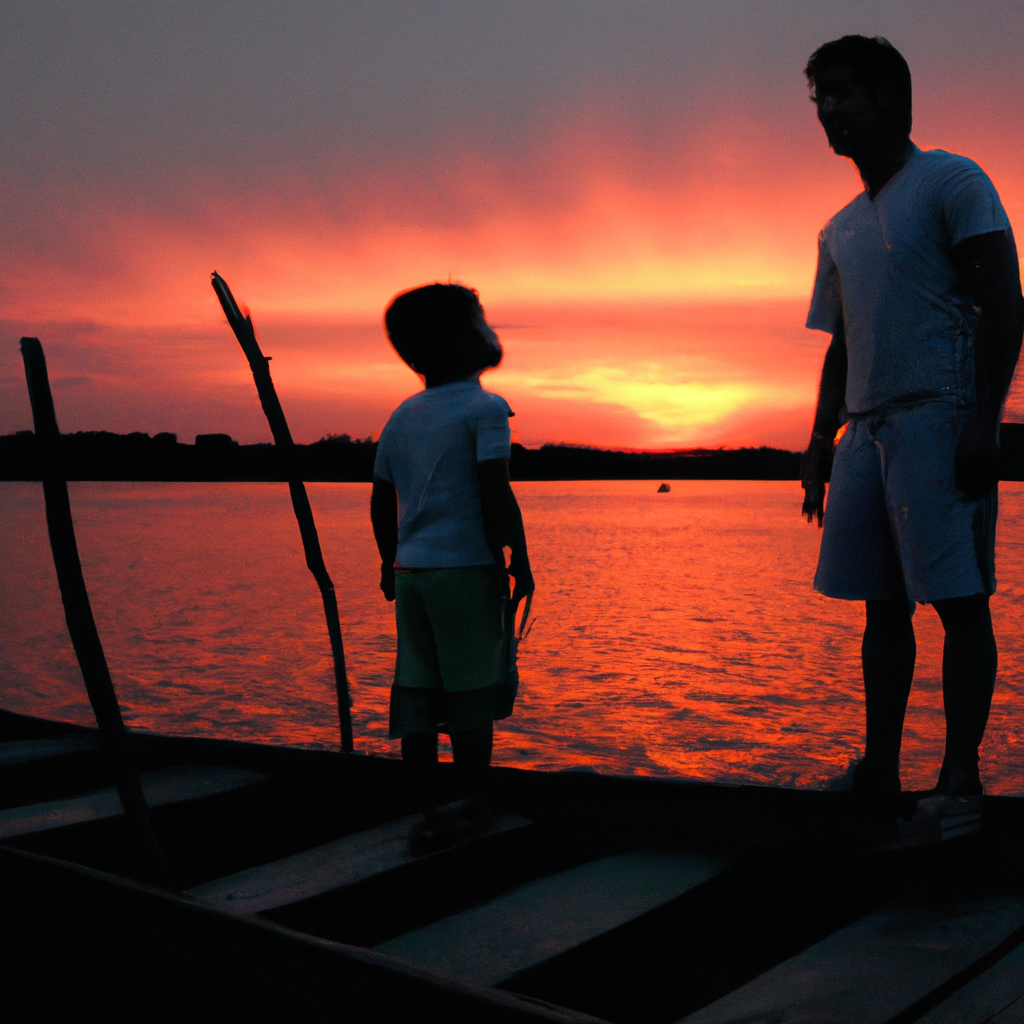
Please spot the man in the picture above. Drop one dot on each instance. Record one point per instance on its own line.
(919, 285)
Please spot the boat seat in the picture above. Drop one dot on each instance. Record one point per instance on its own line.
(323, 868)
(995, 997)
(172, 785)
(20, 751)
(874, 969)
(490, 943)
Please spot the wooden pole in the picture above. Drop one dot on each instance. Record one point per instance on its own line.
(78, 612)
(246, 335)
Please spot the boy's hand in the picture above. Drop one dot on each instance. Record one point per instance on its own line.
(387, 581)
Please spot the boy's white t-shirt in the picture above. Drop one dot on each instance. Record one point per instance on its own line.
(429, 450)
(885, 271)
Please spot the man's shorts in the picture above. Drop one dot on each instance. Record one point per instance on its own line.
(895, 525)
(451, 649)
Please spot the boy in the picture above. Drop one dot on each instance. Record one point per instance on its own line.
(443, 513)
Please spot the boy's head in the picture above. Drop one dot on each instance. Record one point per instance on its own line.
(440, 331)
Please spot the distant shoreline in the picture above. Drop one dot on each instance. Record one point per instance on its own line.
(101, 455)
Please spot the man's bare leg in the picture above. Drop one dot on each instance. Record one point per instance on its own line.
(888, 654)
(969, 662)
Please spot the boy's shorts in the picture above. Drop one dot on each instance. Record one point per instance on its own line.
(895, 524)
(451, 650)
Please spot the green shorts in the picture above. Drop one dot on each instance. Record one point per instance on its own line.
(451, 648)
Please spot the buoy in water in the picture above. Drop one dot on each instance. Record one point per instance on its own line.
(664, 489)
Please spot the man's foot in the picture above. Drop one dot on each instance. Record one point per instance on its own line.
(951, 810)
(956, 780)
(876, 785)
(938, 818)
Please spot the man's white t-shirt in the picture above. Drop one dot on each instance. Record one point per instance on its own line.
(429, 450)
(885, 273)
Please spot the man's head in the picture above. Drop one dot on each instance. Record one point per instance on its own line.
(440, 331)
(862, 90)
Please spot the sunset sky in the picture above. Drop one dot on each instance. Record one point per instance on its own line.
(635, 189)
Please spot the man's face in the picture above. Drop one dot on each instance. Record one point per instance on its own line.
(851, 119)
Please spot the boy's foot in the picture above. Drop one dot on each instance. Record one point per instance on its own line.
(438, 829)
(450, 825)
(478, 812)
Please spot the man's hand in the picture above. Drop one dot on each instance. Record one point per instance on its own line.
(976, 464)
(814, 468)
(524, 585)
(989, 272)
(817, 461)
(387, 581)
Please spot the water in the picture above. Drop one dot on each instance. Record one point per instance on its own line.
(676, 634)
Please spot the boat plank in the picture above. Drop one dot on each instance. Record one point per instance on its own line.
(172, 785)
(1013, 1014)
(324, 868)
(997, 996)
(20, 751)
(872, 970)
(492, 942)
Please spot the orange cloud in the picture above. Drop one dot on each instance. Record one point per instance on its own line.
(722, 212)
(652, 293)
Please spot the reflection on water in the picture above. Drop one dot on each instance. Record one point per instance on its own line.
(676, 634)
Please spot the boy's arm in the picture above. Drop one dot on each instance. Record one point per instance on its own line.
(503, 523)
(384, 516)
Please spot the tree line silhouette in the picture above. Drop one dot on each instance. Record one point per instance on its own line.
(103, 455)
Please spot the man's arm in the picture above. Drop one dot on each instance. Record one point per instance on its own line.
(384, 516)
(831, 398)
(988, 270)
(503, 523)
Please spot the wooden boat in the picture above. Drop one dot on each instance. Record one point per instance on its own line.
(295, 896)
(149, 877)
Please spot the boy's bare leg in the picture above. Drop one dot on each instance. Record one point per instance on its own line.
(888, 653)
(471, 752)
(969, 662)
(419, 754)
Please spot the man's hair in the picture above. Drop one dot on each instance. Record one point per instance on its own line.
(877, 67)
(435, 329)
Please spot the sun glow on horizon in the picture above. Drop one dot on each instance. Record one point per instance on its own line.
(670, 407)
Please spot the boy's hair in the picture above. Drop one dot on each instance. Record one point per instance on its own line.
(877, 67)
(436, 330)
